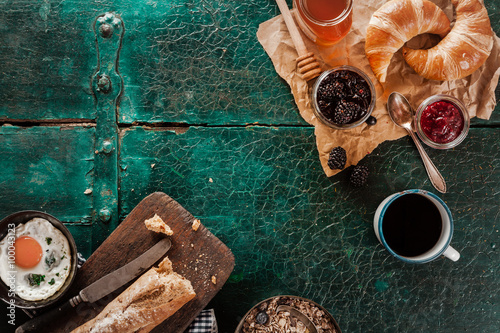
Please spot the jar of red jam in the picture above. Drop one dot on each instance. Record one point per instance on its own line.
(442, 121)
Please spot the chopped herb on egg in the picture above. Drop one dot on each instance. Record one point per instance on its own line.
(52, 281)
(63, 257)
(50, 260)
(48, 240)
(57, 274)
(35, 279)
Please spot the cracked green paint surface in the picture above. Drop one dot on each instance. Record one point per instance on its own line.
(184, 61)
(294, 231)
(38, 163)
(260, 189)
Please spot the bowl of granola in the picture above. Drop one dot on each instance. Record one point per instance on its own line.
(285, 314)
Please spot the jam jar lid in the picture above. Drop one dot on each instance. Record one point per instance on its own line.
(442, 121)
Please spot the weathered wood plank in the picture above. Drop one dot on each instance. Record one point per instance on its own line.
(47, 169)
(47, 56)
(261, 190)
(182, 61)
(200, 62)
(199, 57)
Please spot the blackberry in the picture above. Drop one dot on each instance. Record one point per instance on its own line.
(345, 112)
(359, 111)
(337, 158)
(361, 90)
(331, 90)
(334, 75)
(348, 76)
(359, 175)
(343, 117)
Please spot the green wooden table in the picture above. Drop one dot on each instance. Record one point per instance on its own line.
(202, 116)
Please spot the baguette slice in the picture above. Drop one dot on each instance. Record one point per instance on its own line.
(154, 297)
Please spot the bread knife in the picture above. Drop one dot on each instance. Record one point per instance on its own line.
(101, 287)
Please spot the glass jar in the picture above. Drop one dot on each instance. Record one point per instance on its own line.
(362, 93)
(325, 22)
(442, 121)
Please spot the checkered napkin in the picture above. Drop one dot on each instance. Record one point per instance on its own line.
(204, 323)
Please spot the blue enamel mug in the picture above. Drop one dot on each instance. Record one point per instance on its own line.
(440, 245)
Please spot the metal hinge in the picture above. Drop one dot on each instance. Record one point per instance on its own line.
(107, 86)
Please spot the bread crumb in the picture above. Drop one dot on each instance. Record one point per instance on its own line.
(214, 279)
(192, 245)
(156, 224)
(87, 191)
(153, 165)
(196, 224)
(210, 180)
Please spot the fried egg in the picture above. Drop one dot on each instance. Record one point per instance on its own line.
(41, 261)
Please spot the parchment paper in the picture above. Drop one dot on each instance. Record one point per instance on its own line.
(476, 91)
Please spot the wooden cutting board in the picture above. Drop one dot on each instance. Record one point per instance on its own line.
(196, 255)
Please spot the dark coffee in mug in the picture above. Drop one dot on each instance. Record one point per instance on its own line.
(412, 225)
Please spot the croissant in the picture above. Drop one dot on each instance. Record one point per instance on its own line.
(462, 51)
(395, 23)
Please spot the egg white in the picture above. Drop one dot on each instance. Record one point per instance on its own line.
(55, 249)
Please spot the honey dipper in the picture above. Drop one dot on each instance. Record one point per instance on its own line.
(306, 62)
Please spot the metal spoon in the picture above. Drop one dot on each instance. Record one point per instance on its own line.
(401, 114)
(300, 316)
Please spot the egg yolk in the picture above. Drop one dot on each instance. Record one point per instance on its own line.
(28, 252)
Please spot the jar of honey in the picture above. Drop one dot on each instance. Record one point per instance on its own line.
(325, 22)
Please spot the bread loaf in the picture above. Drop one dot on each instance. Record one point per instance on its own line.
(154, 297)
(462, 51)
(395, 23)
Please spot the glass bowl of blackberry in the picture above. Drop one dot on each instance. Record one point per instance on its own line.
(343, 97)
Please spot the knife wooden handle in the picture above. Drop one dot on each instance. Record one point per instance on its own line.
(43, 322)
